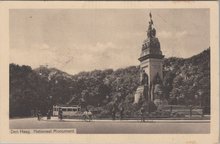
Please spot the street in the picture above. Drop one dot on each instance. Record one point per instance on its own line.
(114, 127)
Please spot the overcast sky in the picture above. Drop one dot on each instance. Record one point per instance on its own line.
(84, 40)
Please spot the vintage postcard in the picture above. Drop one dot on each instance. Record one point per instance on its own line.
(109, 72)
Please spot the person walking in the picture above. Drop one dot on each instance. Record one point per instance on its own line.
(113, 113)
(49, 114)
(60, 114)
(142, 114)
(121, 113)
(38, 115)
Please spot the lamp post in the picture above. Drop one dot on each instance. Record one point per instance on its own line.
(196, 98)
(200, 97)
(50, 109)
(51, 101)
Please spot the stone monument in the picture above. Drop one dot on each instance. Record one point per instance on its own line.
(151, 58)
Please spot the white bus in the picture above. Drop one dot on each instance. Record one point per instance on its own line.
(68, 111)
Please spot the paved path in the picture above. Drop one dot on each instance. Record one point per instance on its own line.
(115, 127)
(135, 121)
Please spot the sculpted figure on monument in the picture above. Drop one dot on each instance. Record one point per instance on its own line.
(157, 79)
(144, 78)
(151, 32)
(157, 87)
(152, 43)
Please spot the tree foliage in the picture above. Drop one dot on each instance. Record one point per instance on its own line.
(186, 81)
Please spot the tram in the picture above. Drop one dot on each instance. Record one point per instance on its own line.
(68, 111)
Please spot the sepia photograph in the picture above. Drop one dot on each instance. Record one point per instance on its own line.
(109, 72)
